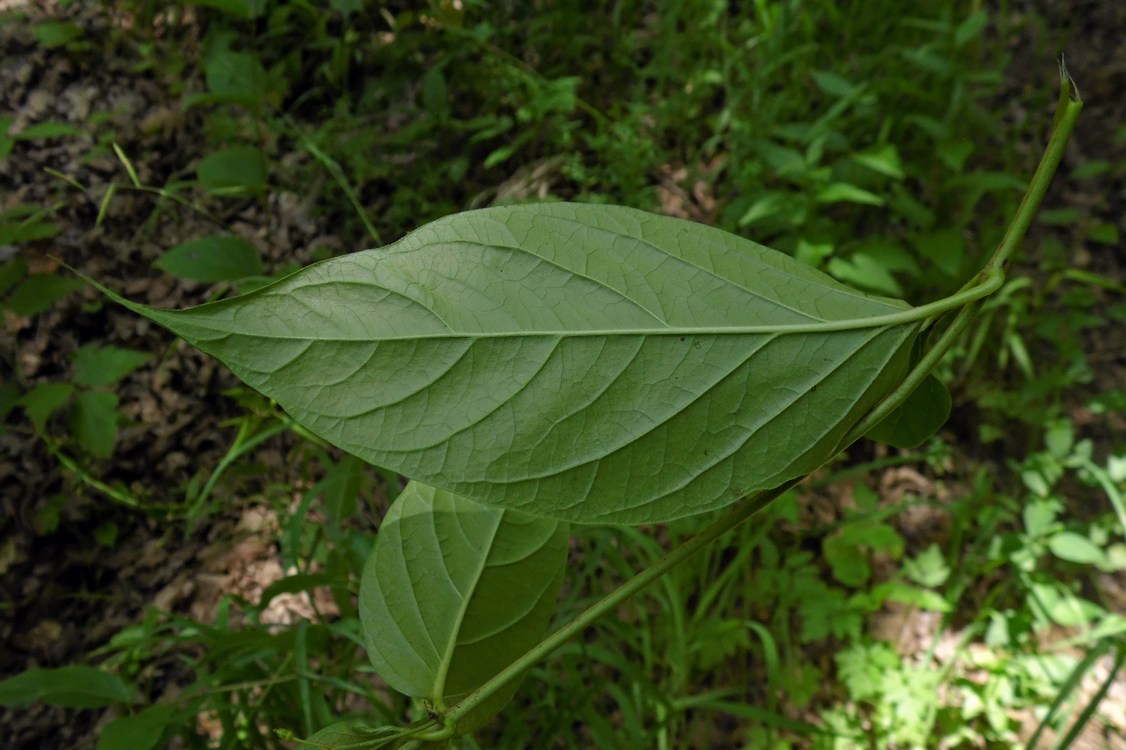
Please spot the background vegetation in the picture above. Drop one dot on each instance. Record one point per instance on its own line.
(180, 532)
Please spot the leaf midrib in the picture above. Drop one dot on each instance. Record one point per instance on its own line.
(906, 317)
(442, 672)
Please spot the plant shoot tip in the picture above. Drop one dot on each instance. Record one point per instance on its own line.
(1066, 81)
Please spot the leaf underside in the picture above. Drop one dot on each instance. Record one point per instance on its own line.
(590, 363)
(454, 591)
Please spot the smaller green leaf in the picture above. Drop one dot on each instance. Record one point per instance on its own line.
(883, 159)
(917, 418)
(74, 686)
(945, 248)
(878, 537)
(7, 141)
(847, 551)
(862, 668)
(1076, 548)
(39, 292)
(96, 366)
(94, 422)
(10, 273)
(825, 611)
(866, 272)
(343, 485)
(813, 254)
(929, 568)
(1116, 469)
(49, 129)
(353, 734)
(236, 74)
(954, 154)
(26, 224)
(896, 591)
(1058, 216)
(502, 154)
(842, 192)
(454, 591)
(847, 561)
(1040, 516)
(997, 632)
(783, 161)
(906, 207)
(9, 399)
(43, 400)
(347, 7)
(241, 170)
(1111, 626)
(48, 514)
(719, 640)
(141, 731)
(299, 582)
(244, 10)
(106, 534)
(1059, 438)
(435, 97)
(1104, 232)
(1090, 169)
(212, 260)
(928, 60)
(981, 182)
(971, 28)
(51, 34)
(833, 84)
(1115, 559)
(1062, 607)
(1036, 482)
(768, 206)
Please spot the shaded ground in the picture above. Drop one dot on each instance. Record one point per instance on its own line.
(64, 593)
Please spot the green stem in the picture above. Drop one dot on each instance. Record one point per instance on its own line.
(986, 282)
(245, 441)
(337, 173)
(1067, 114)
(86, 477)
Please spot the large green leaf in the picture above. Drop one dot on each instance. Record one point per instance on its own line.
(454, 591)
(74, 686)
(589, 363)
